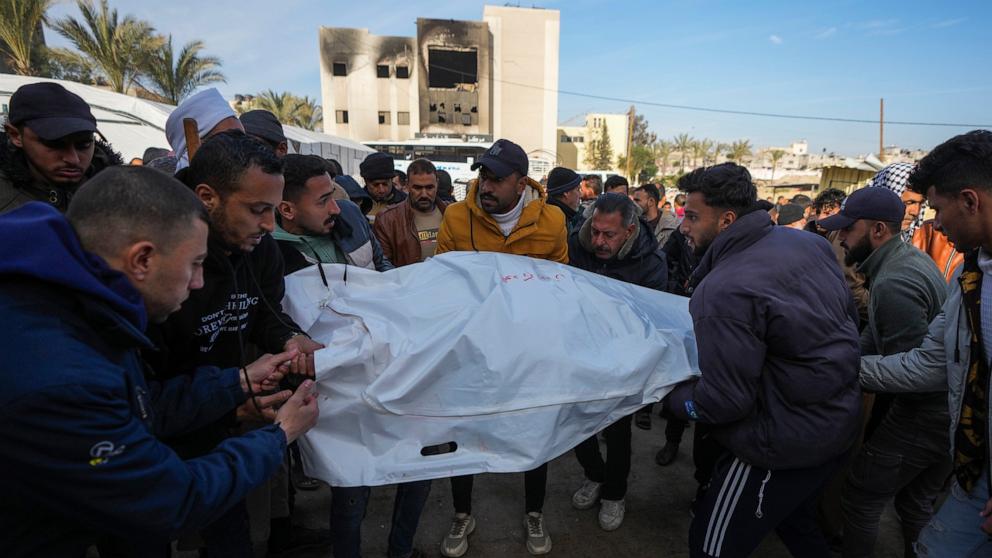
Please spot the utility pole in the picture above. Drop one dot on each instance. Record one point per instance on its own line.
(881, 130)
(630, 142)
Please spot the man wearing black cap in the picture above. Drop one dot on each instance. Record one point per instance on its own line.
(504, 211)
(792, 215)
(907, 456)
(564, 193)
(377, 171)
(47, 148)
(265, 127)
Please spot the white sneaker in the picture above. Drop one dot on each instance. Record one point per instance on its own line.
(587, 496)
(455, 543)
(611, 514)
(538, 541)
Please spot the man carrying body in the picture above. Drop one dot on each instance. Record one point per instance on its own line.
(648, 197)
(615, 243)
(85, 424)
(907, 456)
(212, 114)
(239, 180)
(378, 172)
(503, 211)
(47, 148)
(779, 375)
(408, 231)
(265, 127)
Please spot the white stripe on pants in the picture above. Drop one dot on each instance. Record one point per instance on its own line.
(726, 502)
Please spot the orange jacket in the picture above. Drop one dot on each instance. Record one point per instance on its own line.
(939, 248)
(540, 232)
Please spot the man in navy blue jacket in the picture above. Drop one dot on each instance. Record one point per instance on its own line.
(777, 334)
(78, 421)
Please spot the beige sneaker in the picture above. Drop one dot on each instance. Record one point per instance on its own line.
(455, 543)
(538, 541)
(611, 514)
(587, 496)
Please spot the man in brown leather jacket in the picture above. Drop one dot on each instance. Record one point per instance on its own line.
(408, 230)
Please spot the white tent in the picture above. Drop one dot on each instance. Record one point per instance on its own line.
(132, 125)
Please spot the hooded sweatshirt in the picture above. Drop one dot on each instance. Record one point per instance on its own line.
(79, 419)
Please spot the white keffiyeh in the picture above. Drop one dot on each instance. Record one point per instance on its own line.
(208, 108)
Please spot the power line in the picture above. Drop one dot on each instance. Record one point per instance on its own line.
(729, 111)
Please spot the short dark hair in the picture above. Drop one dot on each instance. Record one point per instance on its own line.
(828, 197)
(802, 200)
(595, 182)
(334, 168)
(612, 202)
(680, 199)
(223, 159)
(402, 176)
(297, 169)
(123, 205)
(420, 166)
(651, 190)
(727, 186)
(615, 181)
(444, 186)
(964, 161)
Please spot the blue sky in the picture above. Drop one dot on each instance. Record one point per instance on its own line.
(930, 61)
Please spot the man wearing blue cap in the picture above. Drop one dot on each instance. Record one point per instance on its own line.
(47, 147)
(907, 456)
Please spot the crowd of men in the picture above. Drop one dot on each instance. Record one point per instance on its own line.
(154, 387)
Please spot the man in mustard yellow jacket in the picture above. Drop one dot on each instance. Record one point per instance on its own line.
(504, 211)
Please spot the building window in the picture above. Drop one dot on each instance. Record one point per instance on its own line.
(578, 139)
(403, 118)
(341, 116)
(339, 69)
(402, 72)
(383, 117)
(382, 71)
(448, 68)
(466, 119)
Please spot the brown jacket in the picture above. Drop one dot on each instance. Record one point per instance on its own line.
(397, 232)
(939, 248)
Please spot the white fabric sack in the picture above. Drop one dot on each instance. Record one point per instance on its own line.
(515, 360)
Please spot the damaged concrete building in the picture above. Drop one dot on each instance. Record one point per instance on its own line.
(473, 81)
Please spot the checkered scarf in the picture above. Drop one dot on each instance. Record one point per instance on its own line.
(895, 178)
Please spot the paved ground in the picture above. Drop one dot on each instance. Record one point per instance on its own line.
(656, 524)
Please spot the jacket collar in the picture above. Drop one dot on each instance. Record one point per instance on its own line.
(568, 211)
(534, 203)
(627, 250)
(745, 231)
(880, 258)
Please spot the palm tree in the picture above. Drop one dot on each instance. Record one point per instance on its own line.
(173, 78)
(776, 155)
(20, 26)
(303, 112)
(118, 48)
(700, 150)
(309, 115)
(683, 143)
(663, 151)
(739, 150)
(717, 150)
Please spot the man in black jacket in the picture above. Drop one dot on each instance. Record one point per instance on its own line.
(378, 171)
(615, 243)
(776, 329)
(239, 180)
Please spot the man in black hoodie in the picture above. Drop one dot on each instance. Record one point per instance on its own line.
(239, 180)
(777, 333)
(615, 243)
(47, 148)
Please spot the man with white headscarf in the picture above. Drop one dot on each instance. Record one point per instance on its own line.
(213, 115)
(894, 177)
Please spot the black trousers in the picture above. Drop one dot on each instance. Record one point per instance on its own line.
(535, 486)
(614, 470)
(744, 503)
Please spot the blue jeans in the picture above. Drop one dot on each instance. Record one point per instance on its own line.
(348, 506)
(955, 532)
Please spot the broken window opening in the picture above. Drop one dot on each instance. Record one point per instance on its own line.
(339, 69)
(381, 71)
(447, 69)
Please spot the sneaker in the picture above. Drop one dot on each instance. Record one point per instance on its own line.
(587, 496)
(611, 514)
(667, 454)
(455, 543)
(538, 541)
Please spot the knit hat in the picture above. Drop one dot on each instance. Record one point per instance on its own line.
(561, 180)
(376, 166)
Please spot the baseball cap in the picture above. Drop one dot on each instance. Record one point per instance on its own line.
(263, 124)
(876, 204)
(50, 111)
(503, 158)
(790, 213)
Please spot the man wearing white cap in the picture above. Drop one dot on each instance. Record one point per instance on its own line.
(213, 115)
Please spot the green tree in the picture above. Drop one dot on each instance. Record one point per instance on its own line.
(309, 115)
(739, 151)
(20, 33)
(683, 144)
(119, 49)
(302, 112)
(700, 151)
(175, 78)
(62, 63)
(776, 155)
(663, 152)
(599, 152)
(641, 134)
(642, 165)
(718, 149)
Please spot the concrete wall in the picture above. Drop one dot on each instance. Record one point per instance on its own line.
(441, 103)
